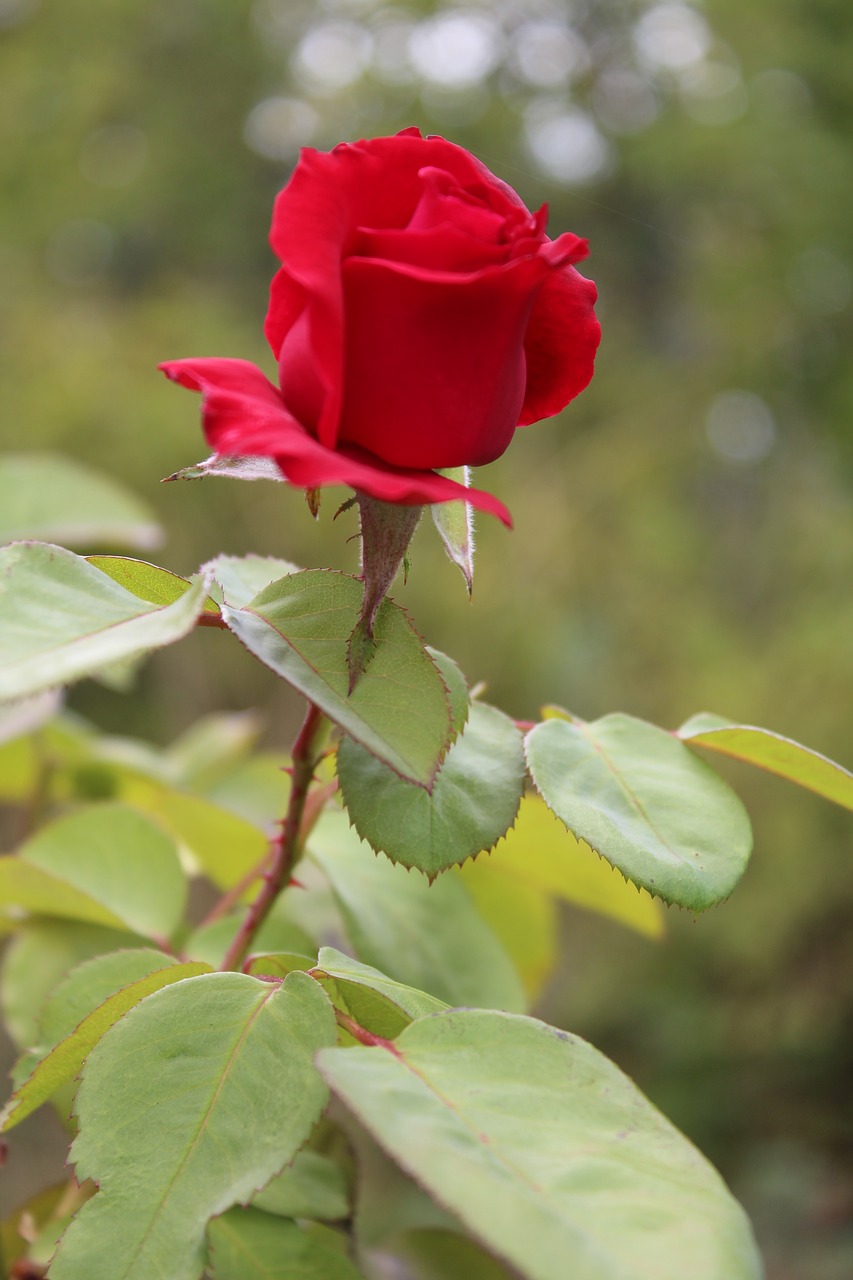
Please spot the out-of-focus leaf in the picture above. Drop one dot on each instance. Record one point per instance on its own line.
(427, 936)
(52, 498)
(37, 960)
(645, 802)
(186, 1077)
(522, 917)
(545, 1151)
(117, 858)
(300, 627)
(312, 1187)
(541, 854)
(25, 715)
(246, 1244)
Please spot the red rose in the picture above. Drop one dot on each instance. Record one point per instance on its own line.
(420, 315)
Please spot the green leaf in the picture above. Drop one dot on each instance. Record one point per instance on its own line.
(249, 1245)
(62, 619)
(473, 801)
(52, 498)
(312, 1187)
(119, 859)
(376, 1002)
(147, 581)
(427, 936)
(39, 958)
(300, 627)
(241, 578)
(547, 1153)
(540, 853)
(63, 1061)
(770, 751)
(211, 1084)
(643, 800)
(455, 524)
(457, 688)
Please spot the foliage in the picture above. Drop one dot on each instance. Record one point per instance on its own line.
(538, 1148)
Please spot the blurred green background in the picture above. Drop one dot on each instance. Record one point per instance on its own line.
(684, 533)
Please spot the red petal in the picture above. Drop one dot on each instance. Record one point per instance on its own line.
(447, 352)
(560, 345)
(243, 413)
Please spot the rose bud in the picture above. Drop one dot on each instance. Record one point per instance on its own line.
(420, 315)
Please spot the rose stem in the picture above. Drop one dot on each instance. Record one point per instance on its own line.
(306, 752)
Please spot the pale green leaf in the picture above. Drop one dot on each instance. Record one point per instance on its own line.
(120, 859)
(63, 1061)
(312, 1187)
(246, 1244)
(427, 936)
(646, 803)
(300, 627)
(770, 751)
(62, 619)
(210, 1084)
(546, 1152)
(241, 578)
(455, 523)
(52, 498)
(473, 801)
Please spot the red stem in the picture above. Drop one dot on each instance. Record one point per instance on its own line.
(285, 850)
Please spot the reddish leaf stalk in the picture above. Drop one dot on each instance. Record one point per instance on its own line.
(362, 1035)
(307, 750)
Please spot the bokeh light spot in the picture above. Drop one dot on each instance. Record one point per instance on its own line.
(740, 427)
(332, 56)
(457, 49)
(671, 36)
(277, 127)
(566, 143)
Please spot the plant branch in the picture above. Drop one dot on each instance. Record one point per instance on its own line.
(307, 750)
